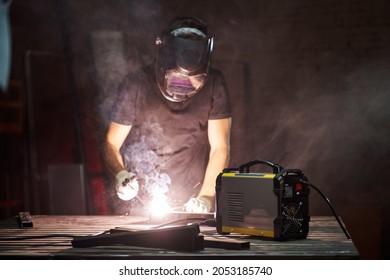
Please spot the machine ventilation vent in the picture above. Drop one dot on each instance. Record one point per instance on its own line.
(293, 216)
(235, 206)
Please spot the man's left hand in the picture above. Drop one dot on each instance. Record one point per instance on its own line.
(198, 205)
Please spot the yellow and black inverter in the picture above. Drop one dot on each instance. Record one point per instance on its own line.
(274, 205)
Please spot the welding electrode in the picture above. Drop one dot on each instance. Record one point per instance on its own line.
(139, 198)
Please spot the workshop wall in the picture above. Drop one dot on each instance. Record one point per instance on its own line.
(308, 82)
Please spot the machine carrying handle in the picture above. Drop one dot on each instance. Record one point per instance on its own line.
(276, 168)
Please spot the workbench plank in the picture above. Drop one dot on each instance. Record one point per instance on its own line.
(325, 240)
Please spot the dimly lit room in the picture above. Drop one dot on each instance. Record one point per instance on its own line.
(308, 84)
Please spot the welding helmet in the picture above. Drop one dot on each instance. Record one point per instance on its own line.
(183, 59)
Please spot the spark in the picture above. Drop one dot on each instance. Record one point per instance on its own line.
(159, 207)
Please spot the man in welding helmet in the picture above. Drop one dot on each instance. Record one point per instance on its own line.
(170, 123)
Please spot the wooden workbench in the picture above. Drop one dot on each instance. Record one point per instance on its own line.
(51, 236)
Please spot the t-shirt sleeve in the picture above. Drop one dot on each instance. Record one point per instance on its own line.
(221, 104)
(123, 109)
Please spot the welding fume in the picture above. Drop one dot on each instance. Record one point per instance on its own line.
(169, 132)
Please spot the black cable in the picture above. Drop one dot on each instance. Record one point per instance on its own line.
(39, 237)
(331, 207)
(210, 223)
(45, 236)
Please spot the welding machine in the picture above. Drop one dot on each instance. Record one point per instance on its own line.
(274, 205)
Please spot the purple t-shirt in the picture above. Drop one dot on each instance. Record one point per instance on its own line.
(167, 146)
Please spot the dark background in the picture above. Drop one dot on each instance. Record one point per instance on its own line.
(309, 83)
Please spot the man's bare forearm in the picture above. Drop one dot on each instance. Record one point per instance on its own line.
(112, 159)
(218, 160)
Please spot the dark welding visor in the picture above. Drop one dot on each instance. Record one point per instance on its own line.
(182, 66)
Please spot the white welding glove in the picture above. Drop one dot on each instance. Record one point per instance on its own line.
(126, 185)
(198, 205)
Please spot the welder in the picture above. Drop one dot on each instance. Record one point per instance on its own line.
(170, 123)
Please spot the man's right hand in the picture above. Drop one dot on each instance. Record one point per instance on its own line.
(126, 185)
